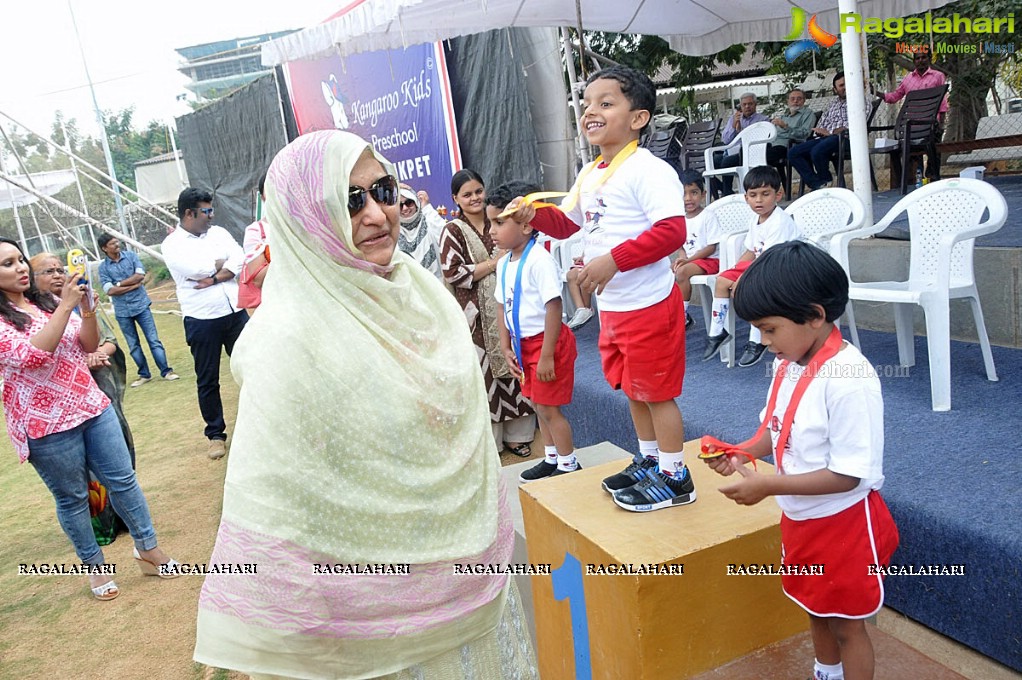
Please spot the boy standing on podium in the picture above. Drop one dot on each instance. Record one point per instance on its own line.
(630, 206)
(824, 425)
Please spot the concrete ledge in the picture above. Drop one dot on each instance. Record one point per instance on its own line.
(998, 277)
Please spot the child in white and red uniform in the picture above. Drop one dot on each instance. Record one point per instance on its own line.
(824, 424)
(629, 205)
(538, 347)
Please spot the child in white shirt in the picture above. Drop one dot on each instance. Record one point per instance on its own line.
(824, 425)
(770, 227)
(701, 252)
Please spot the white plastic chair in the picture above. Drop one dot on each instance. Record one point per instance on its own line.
(824, 213)
(564, 252)
(753, 141)
(735, 217)
(944, 221)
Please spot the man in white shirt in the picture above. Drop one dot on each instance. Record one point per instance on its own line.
(204, 260)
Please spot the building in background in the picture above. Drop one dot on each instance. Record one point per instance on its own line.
(216, 68)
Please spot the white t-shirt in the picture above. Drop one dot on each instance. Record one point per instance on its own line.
(839, 426)
(540, 284)
(778, 228)
(701, 231)
(190, 258)
(641, 192)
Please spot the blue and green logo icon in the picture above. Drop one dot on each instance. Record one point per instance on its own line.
(817, 36)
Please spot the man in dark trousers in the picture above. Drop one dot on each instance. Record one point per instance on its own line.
(204, 260)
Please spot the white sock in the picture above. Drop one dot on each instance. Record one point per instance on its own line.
(567, 463)
(720, 307)
(648, 449)
(755, 336)
(673, 464)
(551, 454)
(686, 307)
(822, 671)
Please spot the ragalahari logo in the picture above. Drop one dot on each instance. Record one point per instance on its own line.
(817, 36)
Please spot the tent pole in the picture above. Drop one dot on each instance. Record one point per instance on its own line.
(102, 124)
(78, 181)
(17, 217)
(42, 241)
(576, 106)
(853, 46)
(177, 157)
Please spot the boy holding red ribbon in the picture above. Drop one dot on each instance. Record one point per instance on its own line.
(824, 424)
(538, 347)
(629, 205)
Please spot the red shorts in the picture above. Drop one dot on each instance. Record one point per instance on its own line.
(736, 271)
(558, 391)
(710, 265)
(643, 350)
(846, 545)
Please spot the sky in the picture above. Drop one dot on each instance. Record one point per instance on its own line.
(129, 48)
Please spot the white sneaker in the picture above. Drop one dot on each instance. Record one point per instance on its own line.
(140, 382)
(171, 376)
(581, 317)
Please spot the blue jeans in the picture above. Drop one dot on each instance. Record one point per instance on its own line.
(145, 321)
(812, 159)
(63, 459)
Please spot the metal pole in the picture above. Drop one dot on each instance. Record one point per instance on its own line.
(853, 46)
(49, 199)
(90, 166)
(42, 241)
(17, 217)
(177, 158)
(102, 124)
(576, 105)
(78, 182)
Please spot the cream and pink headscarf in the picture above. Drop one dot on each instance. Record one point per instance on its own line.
(363, 436)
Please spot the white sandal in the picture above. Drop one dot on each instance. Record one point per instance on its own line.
(105, 592)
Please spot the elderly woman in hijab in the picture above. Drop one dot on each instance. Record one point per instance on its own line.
(421, 226)
(363, 444)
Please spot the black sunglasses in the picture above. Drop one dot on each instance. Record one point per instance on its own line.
(408, 203)
(383, 191)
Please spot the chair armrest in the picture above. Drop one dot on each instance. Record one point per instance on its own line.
(708, 154)
(731, 249)
(839, 243)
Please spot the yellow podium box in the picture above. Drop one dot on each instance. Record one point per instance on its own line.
(612, 609)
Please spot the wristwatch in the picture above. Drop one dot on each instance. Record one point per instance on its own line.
(117, 284)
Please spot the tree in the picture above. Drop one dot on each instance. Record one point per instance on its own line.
(971, 75)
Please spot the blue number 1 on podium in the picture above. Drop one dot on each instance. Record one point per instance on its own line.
(567, 580)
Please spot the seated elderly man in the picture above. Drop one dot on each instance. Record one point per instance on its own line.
(745, 116)
(792, 128)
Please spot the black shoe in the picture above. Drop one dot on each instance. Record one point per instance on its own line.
(559, 471)
(752, 354)
(630, 475)
(538, 471)
(713, 344)
(689, 320)
(657, 491)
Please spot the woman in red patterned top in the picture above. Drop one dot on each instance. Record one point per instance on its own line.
(58, 419)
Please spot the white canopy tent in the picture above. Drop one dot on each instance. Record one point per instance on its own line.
(696, 27)
(47, 183)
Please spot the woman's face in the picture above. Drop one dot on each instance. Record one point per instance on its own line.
(408, 207)
(50, 276)
(471, 198)
(374, 228)
(13, 270)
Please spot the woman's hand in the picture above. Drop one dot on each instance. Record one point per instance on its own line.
(423, 198)
(596, 274)
(73, 292)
